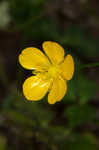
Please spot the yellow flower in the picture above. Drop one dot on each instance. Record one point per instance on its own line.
(51, 72)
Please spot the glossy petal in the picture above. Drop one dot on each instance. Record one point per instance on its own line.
(54, 51)
(67, 67)
(33, 58)
(58, 90)
(35, 87)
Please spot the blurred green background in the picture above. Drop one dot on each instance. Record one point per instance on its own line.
(73, 123)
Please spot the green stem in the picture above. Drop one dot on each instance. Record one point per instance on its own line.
(90, 65)
(22, 27)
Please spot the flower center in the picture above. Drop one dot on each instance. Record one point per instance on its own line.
(53, 71)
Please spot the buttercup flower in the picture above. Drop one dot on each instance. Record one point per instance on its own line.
(50, 72)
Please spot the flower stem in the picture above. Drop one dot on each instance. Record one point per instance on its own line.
(90, 65)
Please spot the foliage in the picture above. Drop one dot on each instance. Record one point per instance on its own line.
(72, 123)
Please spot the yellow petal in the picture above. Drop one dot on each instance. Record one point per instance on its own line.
(35, 87)
(58, 90)
(33, 58)
(67, 67)
(54, 51)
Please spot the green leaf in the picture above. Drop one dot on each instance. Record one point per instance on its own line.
(81, 143)
(19, 110)
(81, 40)
(80, 89)
(79, 114)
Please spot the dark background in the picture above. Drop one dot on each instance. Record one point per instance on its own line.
(73, 123)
